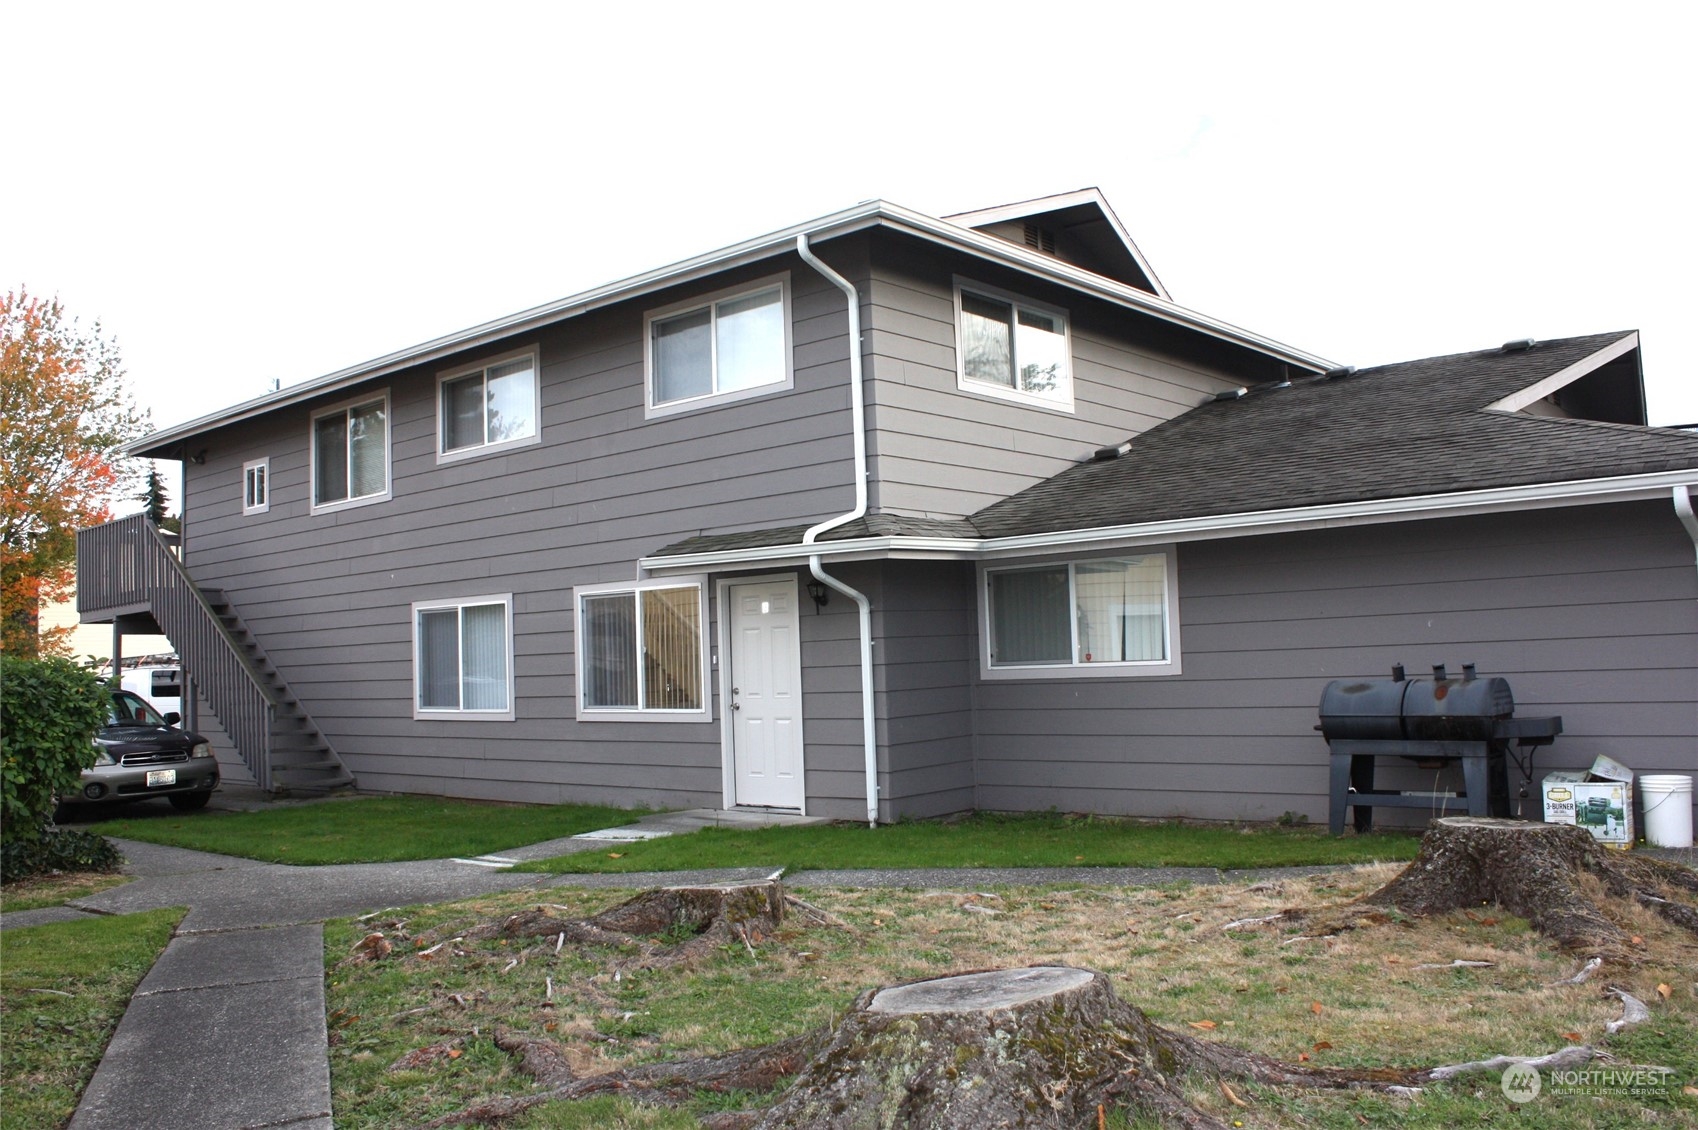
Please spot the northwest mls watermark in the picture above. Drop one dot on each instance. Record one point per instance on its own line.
(1522, 1083)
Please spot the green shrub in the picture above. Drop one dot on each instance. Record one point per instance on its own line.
(58, 849)
(49, 712)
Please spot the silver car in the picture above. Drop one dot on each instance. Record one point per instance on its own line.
(143, 754)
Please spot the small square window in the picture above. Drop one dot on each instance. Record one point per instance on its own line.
(256, 486)
(494, 405)
(724, 347)
(1012, 348)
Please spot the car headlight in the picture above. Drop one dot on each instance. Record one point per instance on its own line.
(201, 749)
(101, 757)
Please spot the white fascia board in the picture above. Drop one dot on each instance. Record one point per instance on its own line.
(1534, 496)
(867, 214)
(1024, 208)
(1537, 391)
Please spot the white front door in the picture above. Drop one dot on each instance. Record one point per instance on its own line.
(763, 694)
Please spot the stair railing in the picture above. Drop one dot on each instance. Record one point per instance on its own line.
(129, 563)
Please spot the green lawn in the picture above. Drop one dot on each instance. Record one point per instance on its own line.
(1045, 840)
(369, 829)
(65, 986)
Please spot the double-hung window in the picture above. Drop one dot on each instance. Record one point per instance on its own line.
(1009, 347)
(256, 486)
(642, 651)
(725, 346)
(350, 453)
(490, 406)
(1098, 616)
(463, 658)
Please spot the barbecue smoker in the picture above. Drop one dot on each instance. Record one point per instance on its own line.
(1431, 723)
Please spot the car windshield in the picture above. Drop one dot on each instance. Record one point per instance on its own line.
(129, 710)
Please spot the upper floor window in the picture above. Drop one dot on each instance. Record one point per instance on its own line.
(491, 405)
(463, 657)
(350, 453)
(642, 651)
(256, 486)
(726, 346)
(1097, 616)
(1010, 347)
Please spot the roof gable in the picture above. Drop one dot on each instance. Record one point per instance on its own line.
(1076, 227)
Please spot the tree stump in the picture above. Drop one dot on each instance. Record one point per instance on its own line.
(1533, 870)
(1040, 1047)
(669, 924)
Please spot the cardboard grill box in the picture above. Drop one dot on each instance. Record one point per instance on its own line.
(1599, 800)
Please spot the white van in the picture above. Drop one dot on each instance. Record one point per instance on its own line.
(162, 687)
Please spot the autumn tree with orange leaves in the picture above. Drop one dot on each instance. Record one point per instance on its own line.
(64, 409)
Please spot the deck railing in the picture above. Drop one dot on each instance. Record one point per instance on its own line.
(126, 565)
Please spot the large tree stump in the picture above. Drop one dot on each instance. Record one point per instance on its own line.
(1533, 870)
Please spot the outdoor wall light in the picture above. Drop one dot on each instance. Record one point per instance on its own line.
(820, 594)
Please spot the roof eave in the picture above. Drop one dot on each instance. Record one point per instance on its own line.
(866, 214)
(1531, 496)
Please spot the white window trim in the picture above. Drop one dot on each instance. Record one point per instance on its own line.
(1075, 669)
(640, 713)
(651, 410)
(263, 466)
(461, 714)
(473, 451)
(1061, 403)
(312, 455)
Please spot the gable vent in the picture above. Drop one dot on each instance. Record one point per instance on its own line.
(1041, 238)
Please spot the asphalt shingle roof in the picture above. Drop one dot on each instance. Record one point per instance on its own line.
(1413, 428)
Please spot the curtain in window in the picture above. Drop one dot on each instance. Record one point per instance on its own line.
(368, 447)
(672, 649)
(683, 357)
(439, 659)
(608, 651)
(462, 413)
(1121, 609)
(512, 401)
(1030, 616)
(750, 336)
(987, 351)
(483, 657)
(330, 458)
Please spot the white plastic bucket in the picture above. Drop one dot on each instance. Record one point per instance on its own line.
(1668, 809)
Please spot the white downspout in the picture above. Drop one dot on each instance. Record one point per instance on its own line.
(858, 425)
(1683, 507)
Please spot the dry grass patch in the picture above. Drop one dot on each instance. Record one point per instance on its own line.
(1359, 998)
(56, 889)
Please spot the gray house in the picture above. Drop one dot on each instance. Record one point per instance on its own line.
(889, 515)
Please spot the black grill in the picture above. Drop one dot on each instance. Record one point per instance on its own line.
(1431, 722)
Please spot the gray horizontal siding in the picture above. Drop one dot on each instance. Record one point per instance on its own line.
(330, 595)
(939, 451)
(1589, 612)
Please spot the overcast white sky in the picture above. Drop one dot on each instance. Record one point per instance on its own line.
(243, 192)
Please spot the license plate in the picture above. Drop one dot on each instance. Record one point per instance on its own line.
(157, 777)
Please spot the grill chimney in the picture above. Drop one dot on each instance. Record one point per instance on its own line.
(1397, 675)
(1468, 672)
(1439, 672)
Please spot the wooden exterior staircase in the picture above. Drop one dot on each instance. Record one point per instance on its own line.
(126, 573)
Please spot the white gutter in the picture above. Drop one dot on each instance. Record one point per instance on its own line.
(858, 428)
(1535, 496)
(1683, 507)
